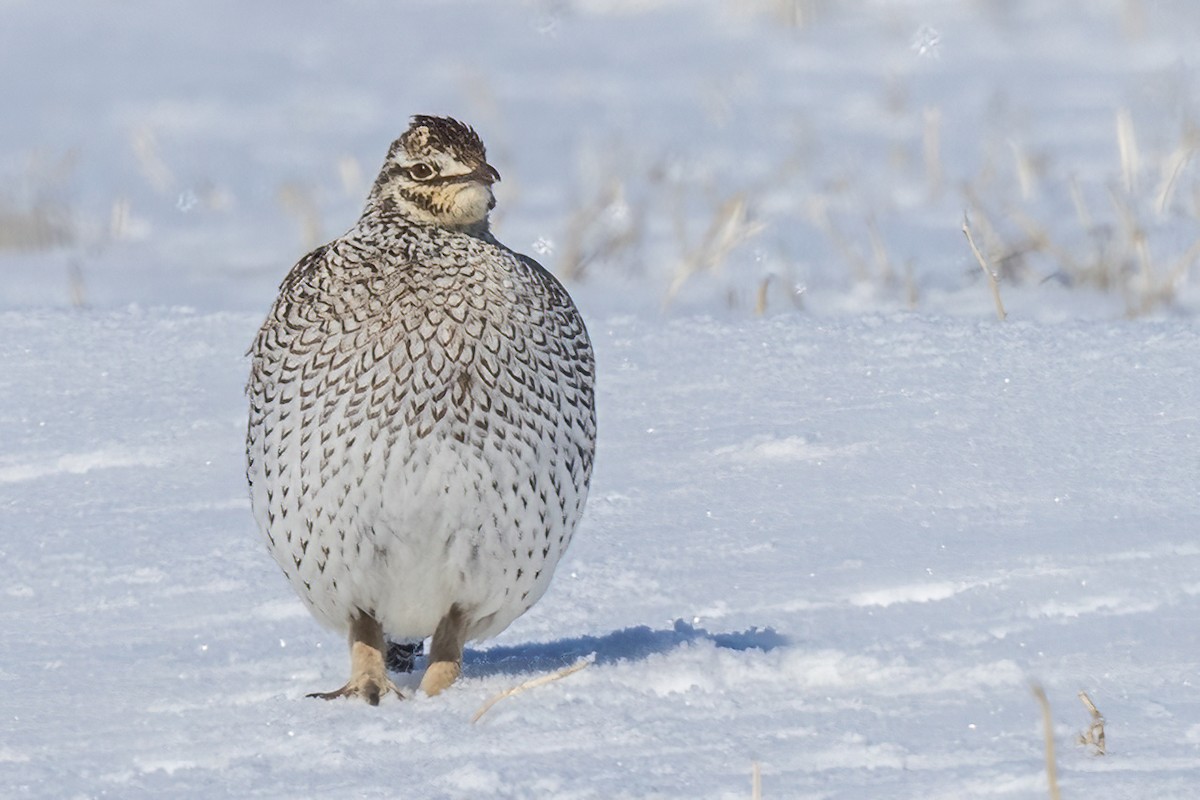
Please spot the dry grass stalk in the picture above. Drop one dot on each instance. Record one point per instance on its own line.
(993, 280)
(150, 161)
(1026, 171)
(1048, 736)
(1118, 254)
(793, 14)
(1171, 170)
(118, 219)
(912, 292)
(533, 683)
(350, 175)
(882, 262)
(1127, 145)
(1081, 209)
(760, 299)
(849, 253)
(1041, 241)
(39, 228)
(730, 227)
(1135, 235)
(76, 285)
(37, 218)
(1093, 737)
(987, 231)
(756, 781)
(298, 201)
(592, 235)
(786, 286)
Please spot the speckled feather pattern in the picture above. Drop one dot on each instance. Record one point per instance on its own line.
(422, 427)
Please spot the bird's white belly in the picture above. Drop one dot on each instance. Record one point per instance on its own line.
(403, 527)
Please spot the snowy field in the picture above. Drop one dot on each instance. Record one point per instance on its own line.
(842, 516)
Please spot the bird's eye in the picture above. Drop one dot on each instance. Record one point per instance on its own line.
(420, 172)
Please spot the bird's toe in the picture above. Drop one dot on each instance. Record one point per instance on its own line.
(365, 687)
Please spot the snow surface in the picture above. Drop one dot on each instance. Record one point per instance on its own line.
(839, 541)
(842, 549)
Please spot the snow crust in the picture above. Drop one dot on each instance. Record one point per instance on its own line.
(842, 549)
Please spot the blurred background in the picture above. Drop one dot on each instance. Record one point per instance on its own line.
(717, 157)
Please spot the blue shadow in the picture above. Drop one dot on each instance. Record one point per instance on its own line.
(628, 644)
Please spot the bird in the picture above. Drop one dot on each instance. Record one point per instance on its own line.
(422, 422)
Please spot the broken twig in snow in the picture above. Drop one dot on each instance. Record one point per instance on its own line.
(993, 279)
(1048, 734)
(1094, 736)
(532, 684)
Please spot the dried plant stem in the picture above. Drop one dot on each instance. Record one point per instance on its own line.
(298, 201)
(755, 781)
(760, 299)
(1127, 145)
(1048, 735)
(993, 281)
(150, 160)
(76, 283)
(730, 226)
(1175, 164)
(1026, 171)
(1135, 234)
(592, 237)
(1094, 735)
(879, 250)
(912, 293)
(533, 683)
(983, 225)
(1040, 240)
(858, 266)
(1081, 209)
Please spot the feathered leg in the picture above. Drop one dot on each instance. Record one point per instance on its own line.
(445, 652)
(368, 675)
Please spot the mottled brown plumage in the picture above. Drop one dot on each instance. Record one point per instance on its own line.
(422, 420)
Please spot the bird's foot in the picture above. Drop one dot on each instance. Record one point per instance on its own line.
(445, 652)
(368, 675)
(439, 675)
(371, 689)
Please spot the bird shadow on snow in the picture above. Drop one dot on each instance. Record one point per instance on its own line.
(628, 644)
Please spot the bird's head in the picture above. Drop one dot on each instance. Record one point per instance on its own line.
(437, 173)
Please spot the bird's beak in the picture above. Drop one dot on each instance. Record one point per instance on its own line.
(487, 174)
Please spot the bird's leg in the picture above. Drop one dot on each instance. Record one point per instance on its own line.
(368, 676)
(445, 652)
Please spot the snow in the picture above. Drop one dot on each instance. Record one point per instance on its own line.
(844, 557)
(840, 539)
